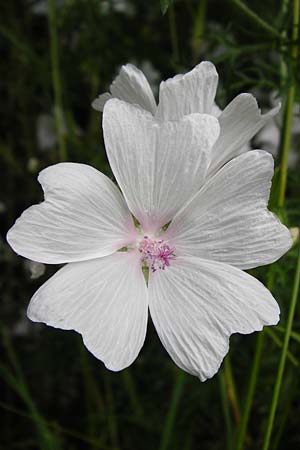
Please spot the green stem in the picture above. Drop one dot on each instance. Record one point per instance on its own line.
(279, 343)
(226, 409)
(56, 80)
(132, 394)
(171, 416)
(253, 379)
(173, 34)
(283, 357)
(231, 390)
(289, 109)
(198, 29)
(250, 391)
(255, 18)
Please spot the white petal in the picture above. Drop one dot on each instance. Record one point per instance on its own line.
(84, 216)
(197, 304)
(228, 219)
(105, 300)
(99, 102)
(132, 86)
(193, 92)
(239, 122)
(158, 165)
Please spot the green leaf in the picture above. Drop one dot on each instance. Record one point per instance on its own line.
(164, 5)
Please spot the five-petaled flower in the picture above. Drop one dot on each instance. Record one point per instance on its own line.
(193, 92)
(197, 229)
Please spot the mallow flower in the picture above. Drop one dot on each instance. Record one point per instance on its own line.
(193, 92)
(195, 238)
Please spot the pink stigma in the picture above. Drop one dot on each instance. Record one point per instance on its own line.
(156, 254)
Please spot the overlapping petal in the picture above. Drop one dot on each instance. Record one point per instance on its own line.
(84, 216)
(239, 122)
(197, 304)
(228, 219)
(103, 299)
(131, 86)
(157, 165)
(193, 92)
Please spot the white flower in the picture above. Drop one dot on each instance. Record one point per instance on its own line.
(197, 293)
(193, 92)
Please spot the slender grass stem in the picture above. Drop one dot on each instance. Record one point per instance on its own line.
(171, 416)
(112, 421)
(231, 390)
(226, 409)
(132, 393)
(250, 391)
(279, 343)
(173, 34)
(56, 80)
(286, 141)
(198, 29)
(256, 18)
(253, 379)
(283, 357)
(15, 378)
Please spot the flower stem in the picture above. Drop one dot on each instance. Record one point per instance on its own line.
(198, 30)
(253, 379)
(170, 420)
(283, 355)
(56, 80)
(231, 390)
(173, 34)
(250, 391)
(255, 18)
(289, 109)
(226, 409)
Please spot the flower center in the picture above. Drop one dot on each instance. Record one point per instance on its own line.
(156, 254)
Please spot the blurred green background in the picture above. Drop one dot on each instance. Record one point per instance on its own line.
(56, 57)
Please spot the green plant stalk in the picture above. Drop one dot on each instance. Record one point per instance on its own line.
(56, 80)
(257, 19)
(231, 390)
(294, 335)
(226, 409)
(132, 393)
(55, 426)
(250, 391)
(279, 343)
(253, 379)
(173, 34)
(286, 142)
(171, 416)
(283, 357)
(284, 415)
(198, 29)
(48, 440)
(289, 109)
(94, 403)
(112, 423)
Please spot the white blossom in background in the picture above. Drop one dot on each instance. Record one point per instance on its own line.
(193, 92)
(197, 292)
(120, 6)
(40, 7)
(46, 132)
(35, 269)
(2, 207)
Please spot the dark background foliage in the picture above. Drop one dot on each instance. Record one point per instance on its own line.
(54, 394)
